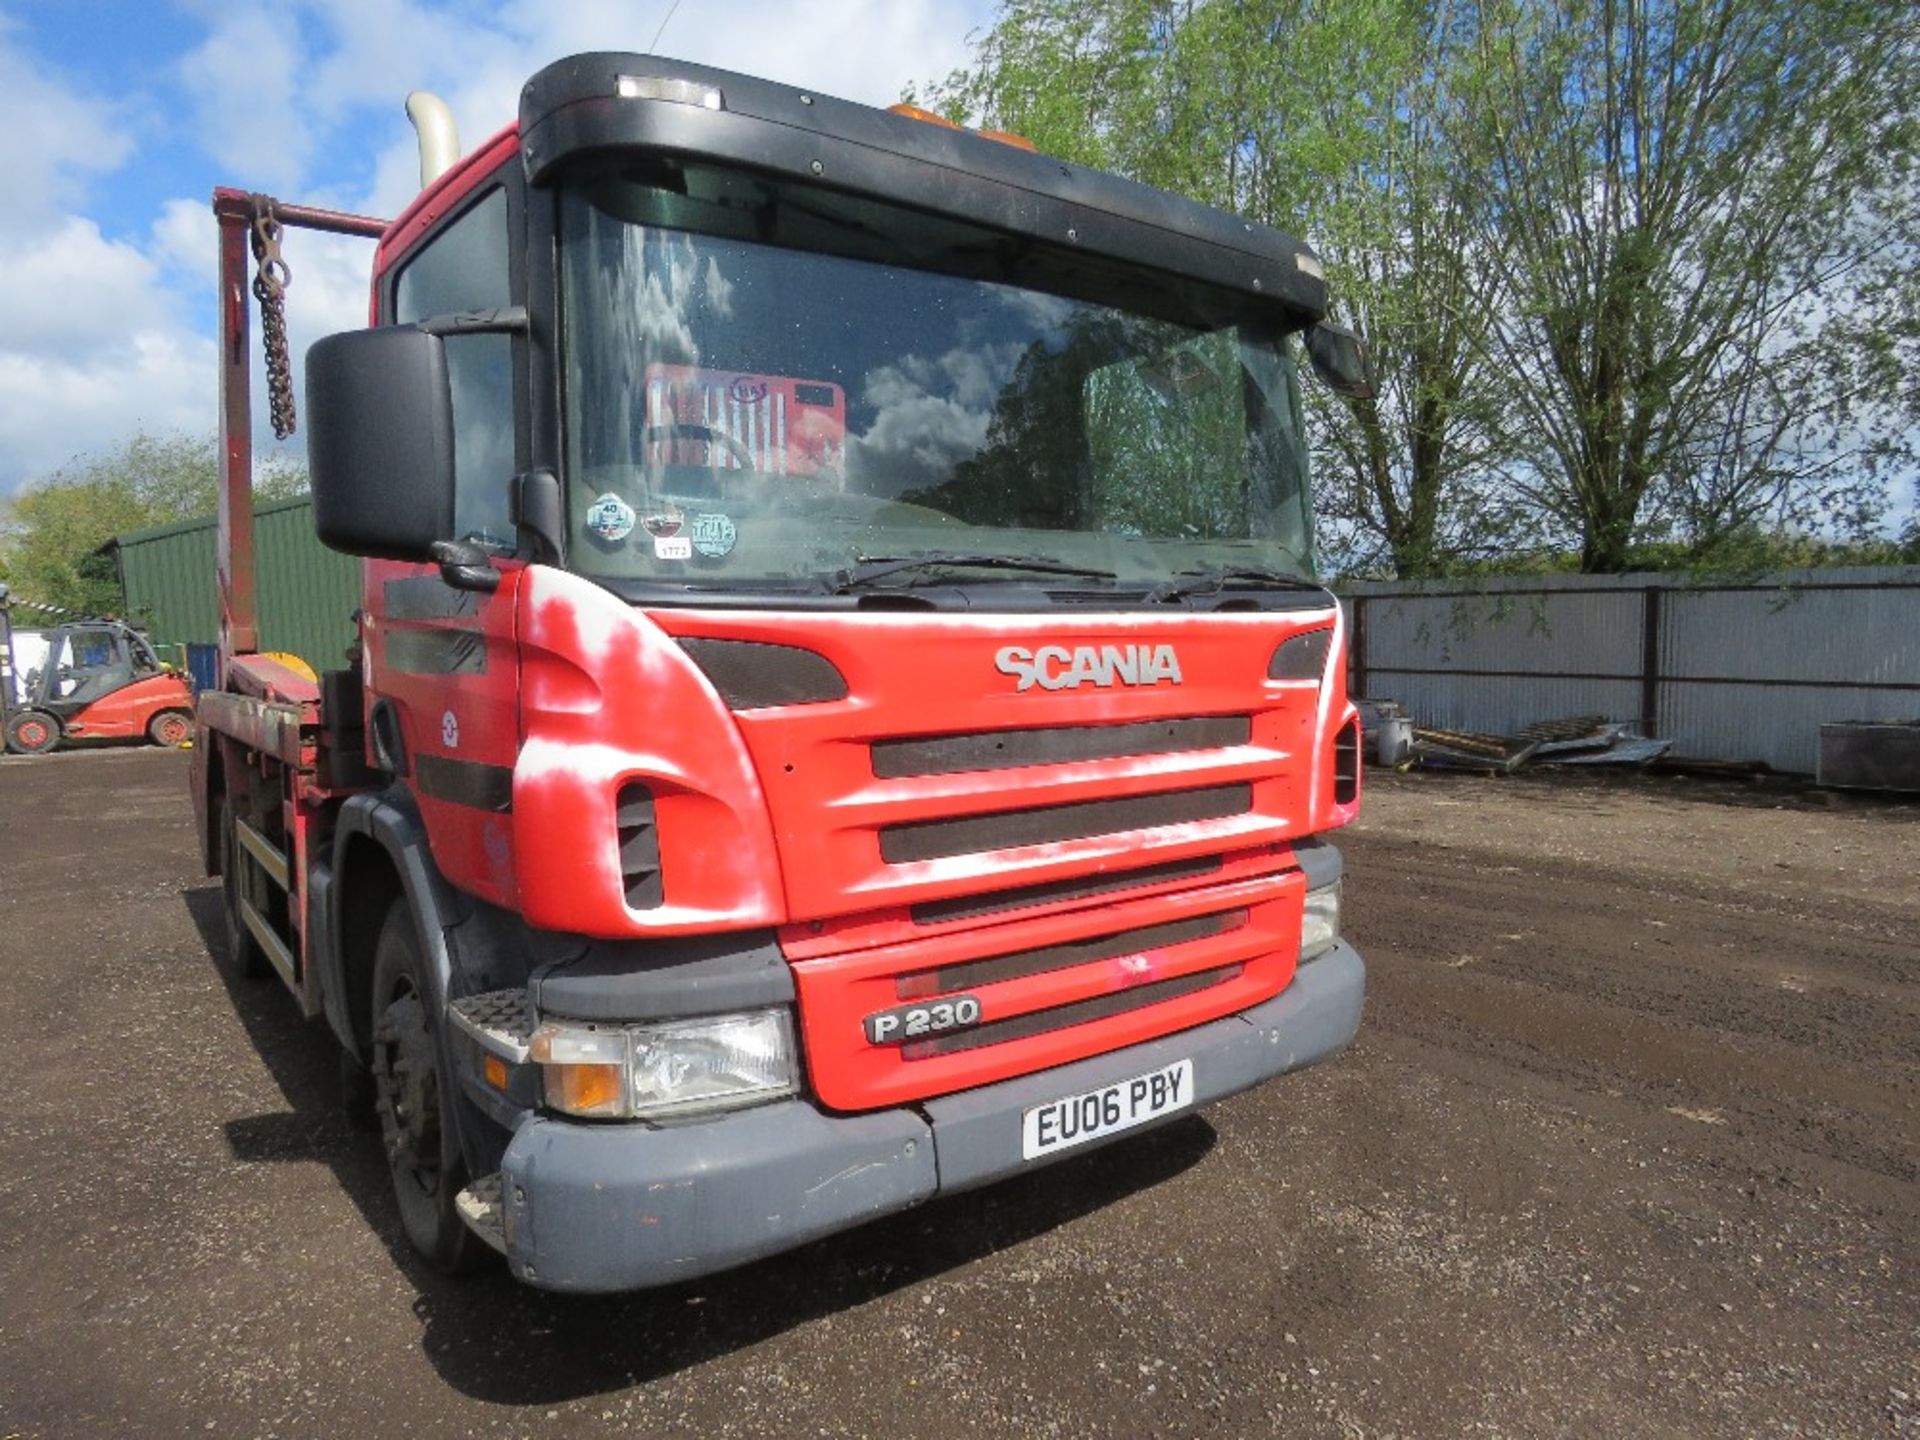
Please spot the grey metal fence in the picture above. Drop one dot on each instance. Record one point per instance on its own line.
(1728, 671)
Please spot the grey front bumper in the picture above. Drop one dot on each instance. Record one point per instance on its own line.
(622, 1207)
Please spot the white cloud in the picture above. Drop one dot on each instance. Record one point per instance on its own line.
(93, 346)
(246, 81)
(76, 290)
(94, 349)
(55, 408)
(58, 140)
(929, 415)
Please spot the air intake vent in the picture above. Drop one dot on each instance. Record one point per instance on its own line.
(639, 847)
(752, 676)
(1080, 1012)
(1346, 764)
(969, 907)
(969, 974)
(1301, 657)
(1010, 749)
(1008, 829)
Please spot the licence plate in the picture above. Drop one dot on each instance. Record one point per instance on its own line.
(1062, 1124)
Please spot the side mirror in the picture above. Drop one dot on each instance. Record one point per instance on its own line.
(1340, 359)
(380, 442)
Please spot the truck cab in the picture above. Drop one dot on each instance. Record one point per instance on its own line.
(845, 711)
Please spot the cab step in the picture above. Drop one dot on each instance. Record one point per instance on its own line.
(481, 1208)
(500, 1022)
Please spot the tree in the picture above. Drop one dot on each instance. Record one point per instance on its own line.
(1707, 208)
(1324, 120)
(1634, 271)
(52, 530)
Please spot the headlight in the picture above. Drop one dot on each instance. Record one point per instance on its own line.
(1320, 923)
(676, 1067)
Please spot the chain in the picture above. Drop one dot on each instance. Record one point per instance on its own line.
(270, 281)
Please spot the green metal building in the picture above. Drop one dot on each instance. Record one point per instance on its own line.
(306, 593)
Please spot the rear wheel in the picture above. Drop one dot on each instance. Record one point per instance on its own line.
(171, 728)
(32, 732)
(415, 1102)
(244, 954)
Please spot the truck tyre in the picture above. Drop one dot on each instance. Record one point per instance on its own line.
(32, 732)
(244, 955)
(172, 729)
(415, 1102)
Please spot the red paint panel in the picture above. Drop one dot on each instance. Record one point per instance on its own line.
(125, 712)
(895, 925)
(928, 675)
(836, 993)
(607, 698)
(470, 716)
(267, 678)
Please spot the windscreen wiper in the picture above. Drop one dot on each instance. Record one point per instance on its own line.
(1211, 582)
(873, 567)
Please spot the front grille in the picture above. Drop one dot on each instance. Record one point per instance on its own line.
(971, 907)
(1050, 824)
(1010, 749)
(1021, 963)
(1081, 1012)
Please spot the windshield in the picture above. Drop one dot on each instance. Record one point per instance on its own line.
(745, 412)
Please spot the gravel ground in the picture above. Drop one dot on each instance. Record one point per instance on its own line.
(1628, 1147)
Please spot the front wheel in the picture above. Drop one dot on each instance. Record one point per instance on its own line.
(32, 732)
(171, 728)
(414, 1102)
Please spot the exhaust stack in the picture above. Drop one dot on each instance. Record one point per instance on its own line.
(439, 137)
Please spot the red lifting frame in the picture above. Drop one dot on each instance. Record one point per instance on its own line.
(235, 210)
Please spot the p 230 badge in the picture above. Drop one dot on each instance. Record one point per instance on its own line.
(918, 1022)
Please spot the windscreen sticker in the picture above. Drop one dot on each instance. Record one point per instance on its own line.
(713, 535)
(672, 547)
(610, 517)
(665, 523)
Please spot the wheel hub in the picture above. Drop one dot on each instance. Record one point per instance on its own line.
(407, 1091)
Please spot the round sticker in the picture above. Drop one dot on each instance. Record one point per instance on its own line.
(610, 517)
(713, 535)
(664, 524)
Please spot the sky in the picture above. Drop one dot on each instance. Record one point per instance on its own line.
(126, 113)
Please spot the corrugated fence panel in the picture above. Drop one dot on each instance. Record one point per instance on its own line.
(1804, 655)
(1777, 725)
(1501, 706)
(169, 584)
(1498, 662)
(1845, 636)
(1534, 634)
(1782, 657)
(306, 593)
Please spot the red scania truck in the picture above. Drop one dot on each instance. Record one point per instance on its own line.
(842, 712)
